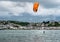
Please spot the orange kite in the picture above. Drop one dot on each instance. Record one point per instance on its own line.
(35, 6)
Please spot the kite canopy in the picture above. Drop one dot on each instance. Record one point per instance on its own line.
(35, 6)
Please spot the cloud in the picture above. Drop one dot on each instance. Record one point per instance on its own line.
(17, 8)
(11, 7)
(45, 3)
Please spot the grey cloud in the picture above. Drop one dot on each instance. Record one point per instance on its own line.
(45, 3)
(3, 9)
(19, 0)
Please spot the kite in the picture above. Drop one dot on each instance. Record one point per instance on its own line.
(35, 6)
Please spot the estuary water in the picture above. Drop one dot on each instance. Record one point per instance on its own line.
(29, 35)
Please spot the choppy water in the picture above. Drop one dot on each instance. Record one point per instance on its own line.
(29, 36)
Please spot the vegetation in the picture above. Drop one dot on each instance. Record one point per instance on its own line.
(19, 23)
(52, 23)
(34, 24)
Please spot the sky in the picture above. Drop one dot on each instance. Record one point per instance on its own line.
(22, 10)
